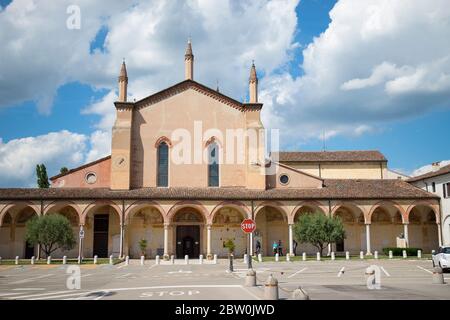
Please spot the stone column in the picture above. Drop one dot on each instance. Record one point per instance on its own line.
(291, 240)
(122, 235)
(208, 242)
(80, 243)
(439, 234)
(405, 233)
(369, 251)
(166, 241)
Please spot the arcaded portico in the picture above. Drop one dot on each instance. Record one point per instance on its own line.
(188, 164)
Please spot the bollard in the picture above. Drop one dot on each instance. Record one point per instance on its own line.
(142, 260)
(361, 255)
(17, 260)
(333, 257)
(245, 258)
(419, 254)
(390, 254)
(172, 259)
(304, 256)
(215, 259)
(404, 254)
(49, 260)
(259, 257)
(288, 257)
(127, 260)
(111, 262)
(230, 263)
(79, 260)
(65, 260)
(157, 260)
(318, 256)
(32, 259)
(200, 259)
(438, 277)
(347, 255)
(277, 257)
(95, 259)
(271, 289)
(375, 254)
(300, 294)
(250, 278)
(186, 259)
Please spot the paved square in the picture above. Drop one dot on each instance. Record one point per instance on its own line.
(400, 279)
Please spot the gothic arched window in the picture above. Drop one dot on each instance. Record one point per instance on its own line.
(213, 165)
(163, 165)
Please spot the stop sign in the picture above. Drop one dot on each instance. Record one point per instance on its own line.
(248, 225)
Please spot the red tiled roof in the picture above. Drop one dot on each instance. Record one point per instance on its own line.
(332, 156)
(333, 189)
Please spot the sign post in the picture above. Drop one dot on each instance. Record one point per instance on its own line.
(80, 246)
(248, 226)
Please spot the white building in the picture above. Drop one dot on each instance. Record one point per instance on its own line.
(438, 182)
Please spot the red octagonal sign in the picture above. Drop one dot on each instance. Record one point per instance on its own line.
(248, 225)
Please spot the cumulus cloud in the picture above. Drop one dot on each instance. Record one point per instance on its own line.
(19, 157)
(378, 61)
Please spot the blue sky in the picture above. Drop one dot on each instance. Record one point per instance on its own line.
(408, 139)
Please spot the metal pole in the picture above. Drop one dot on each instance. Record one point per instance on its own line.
(249, 260)
(230, 260)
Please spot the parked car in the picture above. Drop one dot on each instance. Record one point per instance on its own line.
(442, 258)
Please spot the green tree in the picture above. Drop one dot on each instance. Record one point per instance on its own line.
(229, 244)
(63, 170)
(51, 232)
(319, 230)
(42, 178)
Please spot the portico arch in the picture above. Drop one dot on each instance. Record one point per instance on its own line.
(353, 219)
(423, 226)
(226, 225)
(271, 227)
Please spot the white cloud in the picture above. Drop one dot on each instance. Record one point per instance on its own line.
(19, 157)
(427, 168)
(377, 62)
(100, 145)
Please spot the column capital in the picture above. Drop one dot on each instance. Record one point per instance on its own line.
(209, 226)
(166, 225)
(405, 223)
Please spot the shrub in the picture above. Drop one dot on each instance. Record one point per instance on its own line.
(399, 251)
(229, 244)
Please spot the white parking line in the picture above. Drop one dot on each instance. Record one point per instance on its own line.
(40, 294)
(341, 272)
(422, 268)
(292, 275)
(32, 279)
(122, 266)
(28, 289)
(124, 275)
(385, 272)
(87, 275)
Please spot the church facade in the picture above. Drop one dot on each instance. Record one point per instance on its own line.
(188, 164)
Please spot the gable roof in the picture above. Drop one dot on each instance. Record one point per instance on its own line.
(441, 171)
(80, 167)
(332, 156)
(183, 86)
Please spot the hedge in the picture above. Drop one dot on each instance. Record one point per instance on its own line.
(399, 251)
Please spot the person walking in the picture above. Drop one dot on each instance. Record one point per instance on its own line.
(275, 248)
(258, 247)
(280, 248)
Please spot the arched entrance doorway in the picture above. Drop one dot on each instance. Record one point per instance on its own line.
(271, 226)
(188, 224)
(145, 223)
(353, 221)
(423, 229)
(227, 225)
(386, 225)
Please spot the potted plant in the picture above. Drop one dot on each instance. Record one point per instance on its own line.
(143, 246)
(229, 244)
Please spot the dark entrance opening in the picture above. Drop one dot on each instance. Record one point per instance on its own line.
(340, 246)
(101, 226)
(188, 241)
(29, 251)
